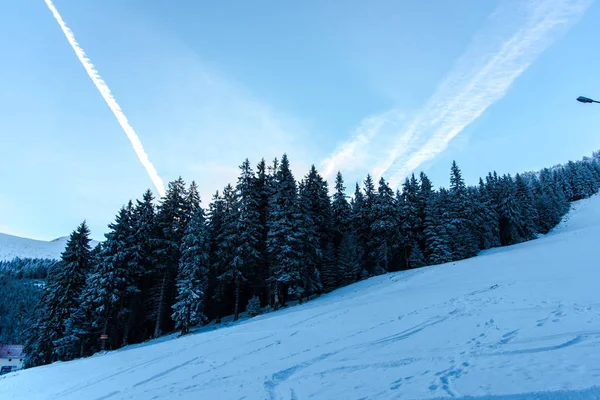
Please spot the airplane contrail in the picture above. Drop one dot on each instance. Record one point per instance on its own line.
(110, 100)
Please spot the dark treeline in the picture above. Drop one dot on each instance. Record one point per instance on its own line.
(27, 268)
(18, 300)
(269, 240)
(21, 283)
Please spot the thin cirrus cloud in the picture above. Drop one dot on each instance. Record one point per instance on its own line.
(514, 36)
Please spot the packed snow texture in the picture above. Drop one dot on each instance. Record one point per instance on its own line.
(15, 246)
(515, 323)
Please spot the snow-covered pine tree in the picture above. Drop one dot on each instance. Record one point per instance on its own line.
(562, 179)
(359, 230)
(437, 240)
(385, 239)
(349, 256)
(262, 191)
(411, 222)
(40, 336)
(192, 200)
(216, 292)
(81, 334)
(82, 331)
(363, 218)
(332, 275)
(340, 210)
(249, 229)
(547, 201)
(284, 245)
(526, 225)
(317, 230)
(138, 326)
(59, 301)
(425, 191)
(416, 258)
(234, 256)
(115, 279)
(484, 219)
(193, 275)
(171, 221)
(508, 211)
(460, 230)
(253, 307)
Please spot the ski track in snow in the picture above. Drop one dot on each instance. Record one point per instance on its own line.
(514, 323)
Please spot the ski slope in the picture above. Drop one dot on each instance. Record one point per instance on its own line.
(15, 246)
(516, 323)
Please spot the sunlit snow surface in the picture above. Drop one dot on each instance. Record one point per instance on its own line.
(515, 323)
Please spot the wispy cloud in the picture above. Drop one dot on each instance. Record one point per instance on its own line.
(110, 100)
(514, 36)
(213, 121)
(356, 153)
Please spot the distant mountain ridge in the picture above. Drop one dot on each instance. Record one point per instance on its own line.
(16, 246)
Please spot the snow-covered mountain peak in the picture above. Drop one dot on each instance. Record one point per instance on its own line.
(15, 246)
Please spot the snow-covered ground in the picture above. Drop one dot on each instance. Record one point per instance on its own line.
(509, 324)
(15, 246)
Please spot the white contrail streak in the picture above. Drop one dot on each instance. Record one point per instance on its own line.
(110, 100)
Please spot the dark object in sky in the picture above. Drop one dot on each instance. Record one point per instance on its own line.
(583, 99)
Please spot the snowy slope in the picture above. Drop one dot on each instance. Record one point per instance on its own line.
(511, 322)
(15, 246)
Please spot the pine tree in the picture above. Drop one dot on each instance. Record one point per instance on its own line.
(332, 275)
(310, 252)
(340, 210)
(192, 201)
(116, 278)
(410, 211)
(143, 259)
(253, 307)
(248, 229)
(424, 193)
(171, 221)
(526, 209)
(234, 255)
(363, 217)
(550, 202)
(81, 329)
(283, 243)
(416, 259)
(262, 190)
(317, 232)
(460, 229)
(384, 239)
(349, 259)
(216, 291)
(484, 218)
(508, 210)
(437, 239)
(193, 275)
(359, 229)
(60, 301)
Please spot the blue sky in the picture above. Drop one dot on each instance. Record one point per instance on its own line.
(382, 87)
